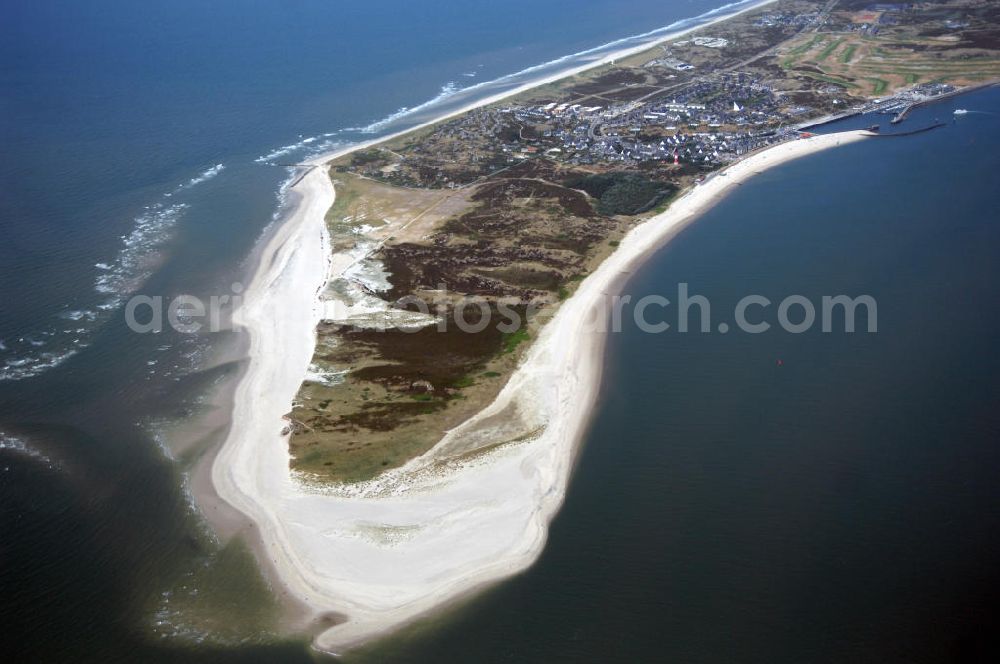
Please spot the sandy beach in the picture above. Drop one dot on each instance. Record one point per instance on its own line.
(378, 555)
(385, 552)
(609, 58)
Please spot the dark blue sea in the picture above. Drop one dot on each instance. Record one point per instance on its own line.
(840, 507)
(779, 497)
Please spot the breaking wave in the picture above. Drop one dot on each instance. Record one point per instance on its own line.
(293, 147)
(508, 82)
(32, 364)
(31, 355)
(207, 175)
(558, 66)
(137, 257)
(449, 89)
(71, 328)
(17, 446)
(116, 279)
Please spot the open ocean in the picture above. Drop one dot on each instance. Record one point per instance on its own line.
(842, 507)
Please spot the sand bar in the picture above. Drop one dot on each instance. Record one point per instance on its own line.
(387, 551)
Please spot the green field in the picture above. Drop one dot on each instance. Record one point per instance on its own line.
(878, 85)
(827, 79)
(878, 65)
(801, 49)
(828, 51)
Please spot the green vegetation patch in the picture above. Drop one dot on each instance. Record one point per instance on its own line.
(878, 85)
(848, 53)
(622, 192)
(830, 48)
(514, 339)
(464, 381)
(346, 197)
(366, 157)
(827, 79)
(802, 48)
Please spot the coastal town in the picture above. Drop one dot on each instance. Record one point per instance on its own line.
(694, 105)
(433, 311)
(551, 332)
(516, 202)
(704, 125)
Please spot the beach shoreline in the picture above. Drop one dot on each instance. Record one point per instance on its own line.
(530, 85)
(371, 560)
(408, 565)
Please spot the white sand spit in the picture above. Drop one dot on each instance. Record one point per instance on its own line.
(387, 551)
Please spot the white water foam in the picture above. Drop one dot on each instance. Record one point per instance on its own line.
(19, 447)
(116, 279)
(135, 260)
(138, 256)
(28, 365)
(290, 148)
(35, 353)
(451, 89)
(310, 142)
(204, 177)
(447, 90)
